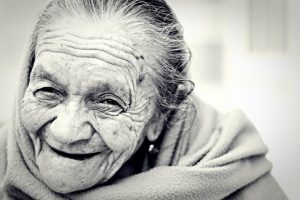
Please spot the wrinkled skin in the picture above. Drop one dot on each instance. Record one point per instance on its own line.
(86, 107)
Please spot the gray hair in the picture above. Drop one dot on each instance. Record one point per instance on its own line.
(170, 54)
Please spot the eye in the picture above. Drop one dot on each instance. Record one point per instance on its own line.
(108, 103)
(48, 94)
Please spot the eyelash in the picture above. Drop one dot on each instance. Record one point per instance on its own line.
(111, 100)
(48, 94)
(48, 89)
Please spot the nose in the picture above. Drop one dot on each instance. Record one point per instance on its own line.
(71, 126)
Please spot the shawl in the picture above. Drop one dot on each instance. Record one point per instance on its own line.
(202, 155)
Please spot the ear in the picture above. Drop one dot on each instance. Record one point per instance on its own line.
(157, 122)
(155, 127)
(184, 89)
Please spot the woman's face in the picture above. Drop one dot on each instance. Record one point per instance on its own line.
(86, 107)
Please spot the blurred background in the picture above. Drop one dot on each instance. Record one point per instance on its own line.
(246, 55)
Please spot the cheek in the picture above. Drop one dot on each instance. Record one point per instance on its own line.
(34, 115)
(120, 135)
(124, 132)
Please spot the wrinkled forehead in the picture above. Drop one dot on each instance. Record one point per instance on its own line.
(108, 41)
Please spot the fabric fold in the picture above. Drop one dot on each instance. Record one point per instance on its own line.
(233, 157)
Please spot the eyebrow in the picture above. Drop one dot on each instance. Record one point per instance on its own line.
(42, 74)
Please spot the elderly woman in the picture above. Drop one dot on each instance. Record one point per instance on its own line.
(105, 111)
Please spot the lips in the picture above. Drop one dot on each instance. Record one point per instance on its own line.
(79, 157)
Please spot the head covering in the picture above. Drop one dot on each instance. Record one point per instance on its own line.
(202, 155)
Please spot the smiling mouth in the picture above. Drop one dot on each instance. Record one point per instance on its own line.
(74, 156)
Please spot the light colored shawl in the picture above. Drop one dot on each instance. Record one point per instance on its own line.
(203, 155)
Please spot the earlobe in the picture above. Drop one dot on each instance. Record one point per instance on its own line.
(155, 128)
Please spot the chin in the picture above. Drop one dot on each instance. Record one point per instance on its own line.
(66, 175)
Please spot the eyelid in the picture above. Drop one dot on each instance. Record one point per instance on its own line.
(46, 89)
(43, 83)
(113, 97)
